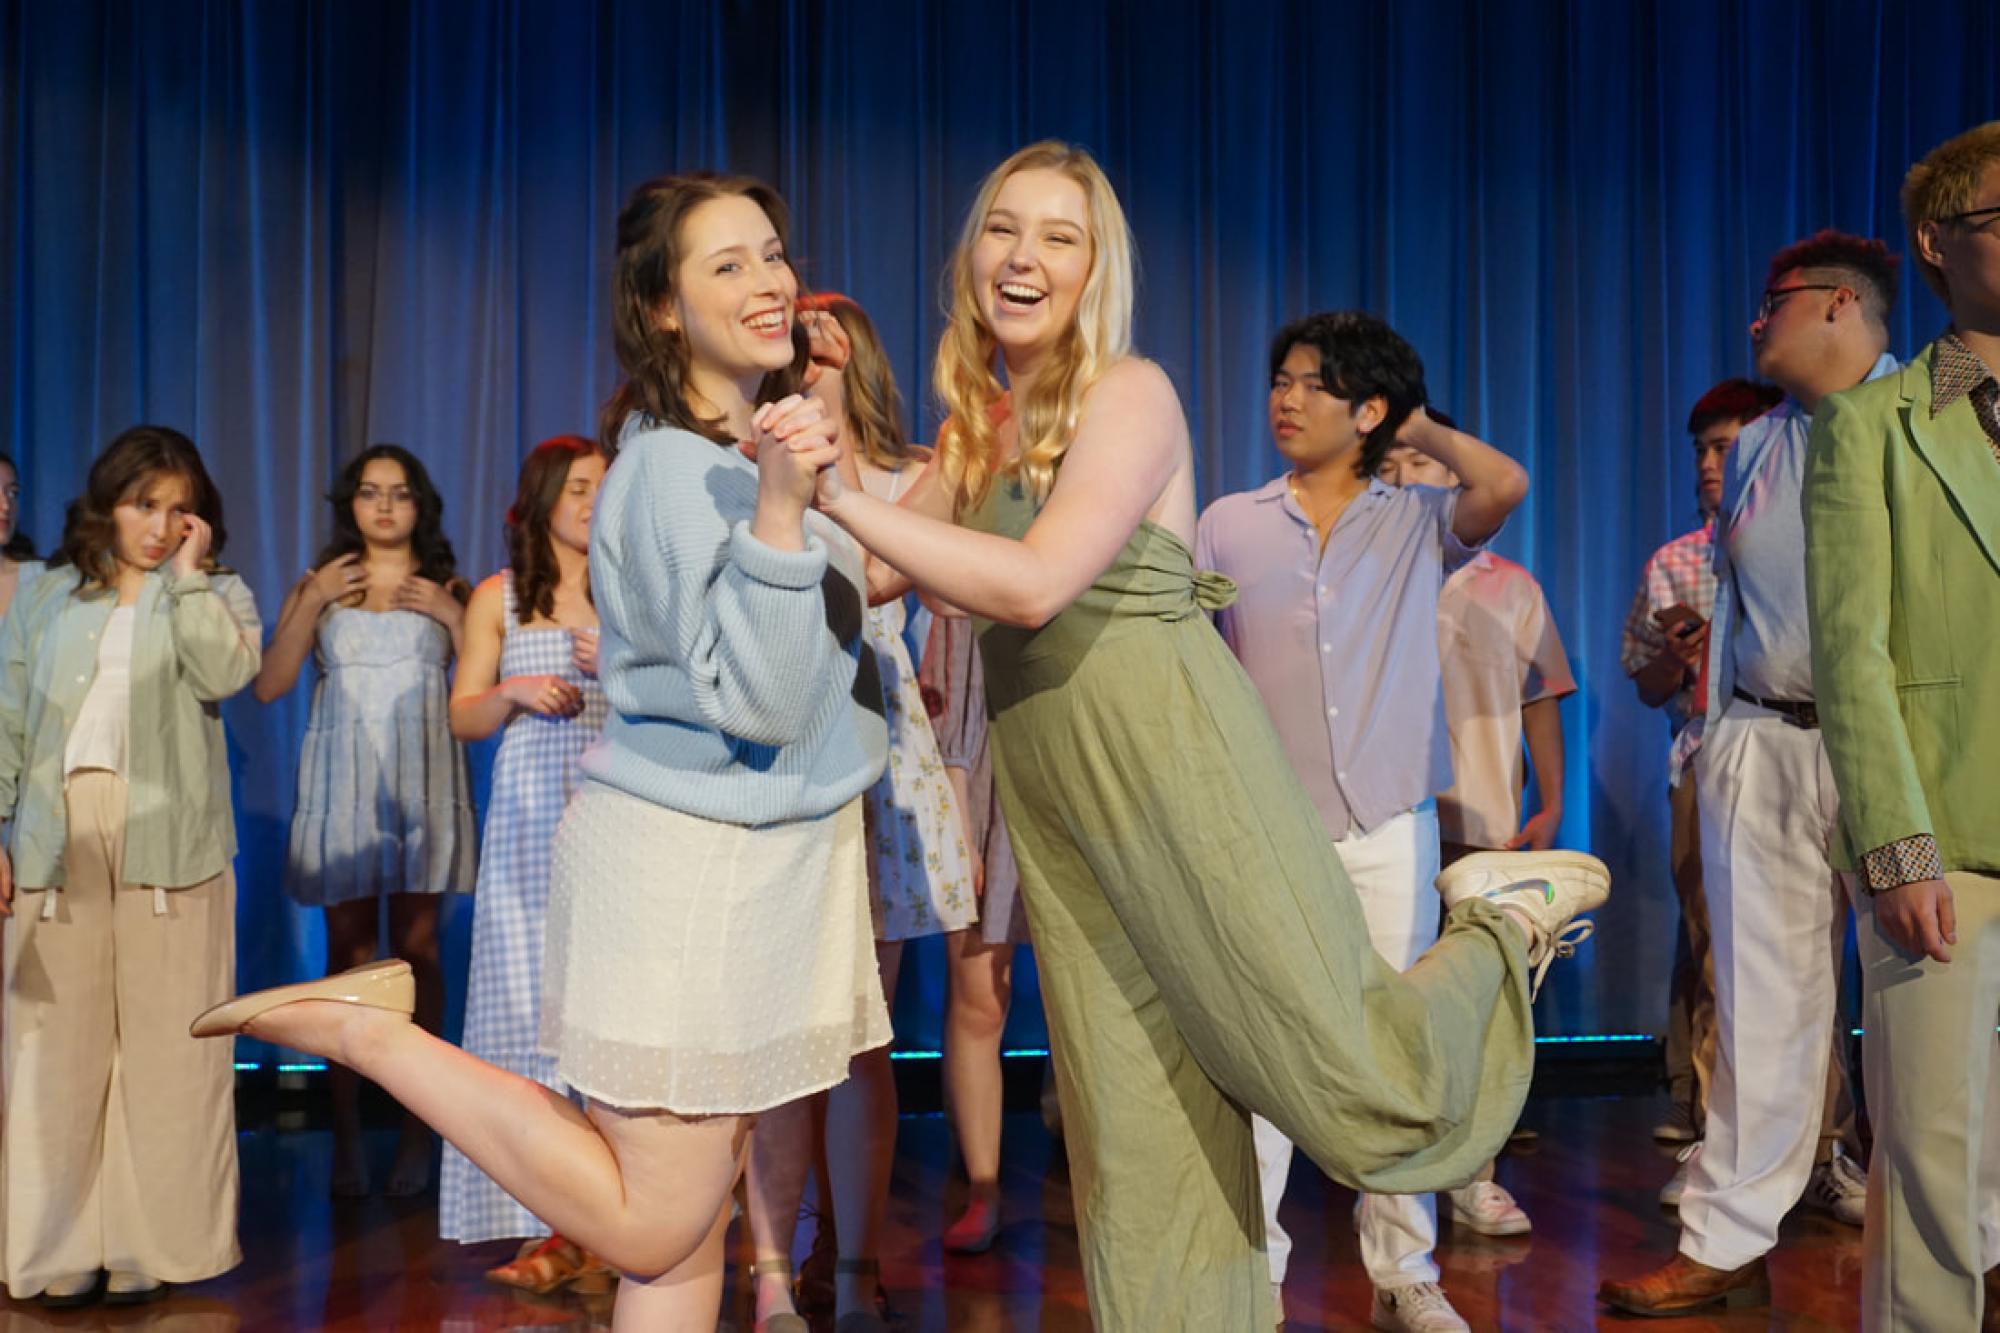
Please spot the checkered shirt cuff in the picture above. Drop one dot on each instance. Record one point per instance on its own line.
(1905, 861)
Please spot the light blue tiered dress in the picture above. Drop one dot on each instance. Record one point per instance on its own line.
(534, 775)
(384, 804)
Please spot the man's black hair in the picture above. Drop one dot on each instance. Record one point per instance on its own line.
(1360, 357)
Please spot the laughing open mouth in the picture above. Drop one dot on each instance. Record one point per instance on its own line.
(1020, 296)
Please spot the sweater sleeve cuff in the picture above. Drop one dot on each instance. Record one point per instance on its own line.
(1904, 861)
(781, 569)
(179, 584)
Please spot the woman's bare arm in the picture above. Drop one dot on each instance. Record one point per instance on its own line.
(1130, 443)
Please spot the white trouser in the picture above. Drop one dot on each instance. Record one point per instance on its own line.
(1778, 919)
(1394, 871)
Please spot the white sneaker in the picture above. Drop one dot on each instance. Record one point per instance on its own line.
(1550, 887)
(1838, 1188)
(1419, 1308)
(1670, 1193)
(1487, 1208)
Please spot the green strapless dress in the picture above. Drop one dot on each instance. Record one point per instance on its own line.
(1203, 955)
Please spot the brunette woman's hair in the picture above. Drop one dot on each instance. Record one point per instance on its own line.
(531, 551)
(428, 543)
(130, 464)
(20, 546)
(655, 359)
(874, 407)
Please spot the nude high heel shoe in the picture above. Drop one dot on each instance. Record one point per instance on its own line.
(384, 985)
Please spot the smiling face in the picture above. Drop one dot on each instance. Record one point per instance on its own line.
(1031, 262)
(148, 523)
(733, 296)
(569, 520)
(1311, 425)
(385, 508)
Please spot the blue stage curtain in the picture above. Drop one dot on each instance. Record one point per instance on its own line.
(293, 229)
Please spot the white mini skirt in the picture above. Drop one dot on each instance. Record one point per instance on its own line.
(705, 968)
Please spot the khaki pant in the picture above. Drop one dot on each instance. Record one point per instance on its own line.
(1929, 1057)
(1691, 1004)
(120, 1143)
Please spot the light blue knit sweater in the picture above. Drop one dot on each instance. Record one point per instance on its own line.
(740, 685)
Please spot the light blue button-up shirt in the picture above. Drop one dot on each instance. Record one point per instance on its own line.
(1762, 643)
(1342, 642)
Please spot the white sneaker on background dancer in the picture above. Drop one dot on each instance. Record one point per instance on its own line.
(1486, 1207)
(1421, 1307)
(1549, 888)
(1839, 1188)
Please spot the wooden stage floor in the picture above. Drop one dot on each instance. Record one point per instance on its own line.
(1589, 1186)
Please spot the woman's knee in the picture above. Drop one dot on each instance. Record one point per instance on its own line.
(978, 1011)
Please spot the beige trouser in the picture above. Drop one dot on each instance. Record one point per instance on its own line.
(120, 1143)
(1691, 1017)
(1934, 1184)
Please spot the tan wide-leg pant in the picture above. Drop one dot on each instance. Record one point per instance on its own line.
(1933, 1070)
(119, 1150)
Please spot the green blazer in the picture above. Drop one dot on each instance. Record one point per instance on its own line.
(1902, 517)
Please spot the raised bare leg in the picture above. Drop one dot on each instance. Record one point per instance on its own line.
(642, 1189)
(683, 1300)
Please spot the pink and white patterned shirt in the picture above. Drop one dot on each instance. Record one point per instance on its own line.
(1682, 571)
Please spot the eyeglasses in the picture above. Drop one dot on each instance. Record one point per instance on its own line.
(369, 494)
(1976, 218)
(1775, 296)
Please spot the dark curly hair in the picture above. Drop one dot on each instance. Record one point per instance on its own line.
(1360, 357)
(432, 549)
(531, 550)
(1738, 400)
(1865, 265)
(20, 546)
(130, 464)
(654, 359)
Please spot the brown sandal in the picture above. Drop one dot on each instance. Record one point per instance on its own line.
(550, 1265)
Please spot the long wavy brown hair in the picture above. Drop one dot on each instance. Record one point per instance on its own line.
(655, 359)
(129, 465)
(964, 375)
(531, 548)
(874, 405)
(429, 547)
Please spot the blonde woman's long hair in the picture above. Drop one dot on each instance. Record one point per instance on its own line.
(964, 377)
(874, 406)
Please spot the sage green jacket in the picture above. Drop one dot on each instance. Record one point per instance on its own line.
(195, 642)
(1902, 517)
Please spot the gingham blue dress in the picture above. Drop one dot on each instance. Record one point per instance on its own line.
(534, 775)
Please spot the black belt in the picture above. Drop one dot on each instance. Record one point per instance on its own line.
(1800, 714)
